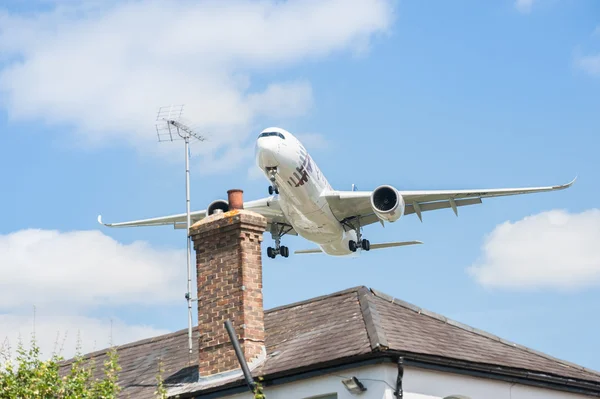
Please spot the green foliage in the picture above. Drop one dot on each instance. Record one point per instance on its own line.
(29, 377)
(258, 390)
(161, 391)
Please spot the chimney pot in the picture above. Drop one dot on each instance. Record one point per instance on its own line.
(236, 199)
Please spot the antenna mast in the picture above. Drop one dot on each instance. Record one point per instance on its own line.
(170, 128)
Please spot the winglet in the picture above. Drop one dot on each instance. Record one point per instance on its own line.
(563, 186)
(100, 221)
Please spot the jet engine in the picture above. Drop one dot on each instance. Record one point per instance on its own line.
(218, 204)
(387, 203)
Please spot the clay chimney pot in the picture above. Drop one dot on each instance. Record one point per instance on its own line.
(236, 199)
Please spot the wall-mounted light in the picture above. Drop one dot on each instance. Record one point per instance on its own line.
(354, 385)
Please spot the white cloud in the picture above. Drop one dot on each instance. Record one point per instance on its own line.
(60, 333)
(282, 100)
(313, 141)
(524, 6)
(214, 163)
(589, 64)
(50, 269)
(553, 249)
(103, 69)
(254, 173)
(68, 276)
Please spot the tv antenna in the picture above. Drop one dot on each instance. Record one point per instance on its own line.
(169, 127)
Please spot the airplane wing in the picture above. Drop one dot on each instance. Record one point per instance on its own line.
(350, 204)
(268, 207)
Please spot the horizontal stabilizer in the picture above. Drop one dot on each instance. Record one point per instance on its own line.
(394, 244)
(309, 251)
(373, 246)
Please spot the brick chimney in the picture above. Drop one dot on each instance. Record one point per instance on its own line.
(229, 272)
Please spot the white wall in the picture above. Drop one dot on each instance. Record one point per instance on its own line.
(418, 383)
(425, 384)
(332, 383)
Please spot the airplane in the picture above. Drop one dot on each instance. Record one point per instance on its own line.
(301, 202)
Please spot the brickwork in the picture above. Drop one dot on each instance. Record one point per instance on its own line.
(229, 276)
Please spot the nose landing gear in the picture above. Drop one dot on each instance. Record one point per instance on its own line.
(272, 171)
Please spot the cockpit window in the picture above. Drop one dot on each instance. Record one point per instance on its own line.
(266, 134)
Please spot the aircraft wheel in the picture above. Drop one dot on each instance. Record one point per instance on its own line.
(352, 245)
(285, 252)
(271, 253)
(276, 190)
(365, 244)
(270, 190)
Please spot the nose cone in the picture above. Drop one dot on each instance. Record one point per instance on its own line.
(266, 152)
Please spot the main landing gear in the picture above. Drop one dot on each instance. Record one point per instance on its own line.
(360, 242)
(277, 232)
(364, 245)
(272, 171)
(281, 250)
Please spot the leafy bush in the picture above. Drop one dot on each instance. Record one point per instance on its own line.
(29, 377)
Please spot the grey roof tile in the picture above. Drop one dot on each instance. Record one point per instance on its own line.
(348, 324)
(412, 329)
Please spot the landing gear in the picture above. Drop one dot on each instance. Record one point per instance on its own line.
(352, 245)
(277, 232)
(360, 242)
(272, 171)
(365, 245)
(273, 252)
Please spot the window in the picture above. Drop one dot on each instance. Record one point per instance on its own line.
(267, 134)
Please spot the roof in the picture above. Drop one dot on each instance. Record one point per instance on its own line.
(344, 328)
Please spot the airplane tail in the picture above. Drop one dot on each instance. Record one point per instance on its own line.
(373, 246)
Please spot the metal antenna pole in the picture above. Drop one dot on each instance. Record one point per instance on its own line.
(167, 119)
(189, 239)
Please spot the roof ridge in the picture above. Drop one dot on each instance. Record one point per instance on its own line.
(317, 299)
(477, 331)
(372, 319)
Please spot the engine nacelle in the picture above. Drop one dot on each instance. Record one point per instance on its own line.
(387, 203)
(218, 204)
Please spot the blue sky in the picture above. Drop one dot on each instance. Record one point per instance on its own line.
(421, 96)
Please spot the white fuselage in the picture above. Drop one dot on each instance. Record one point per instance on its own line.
(301, 183)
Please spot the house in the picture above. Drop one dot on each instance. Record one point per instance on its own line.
(354, 343)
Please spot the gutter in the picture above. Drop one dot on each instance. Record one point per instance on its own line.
(403, 359)
(504, 374)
